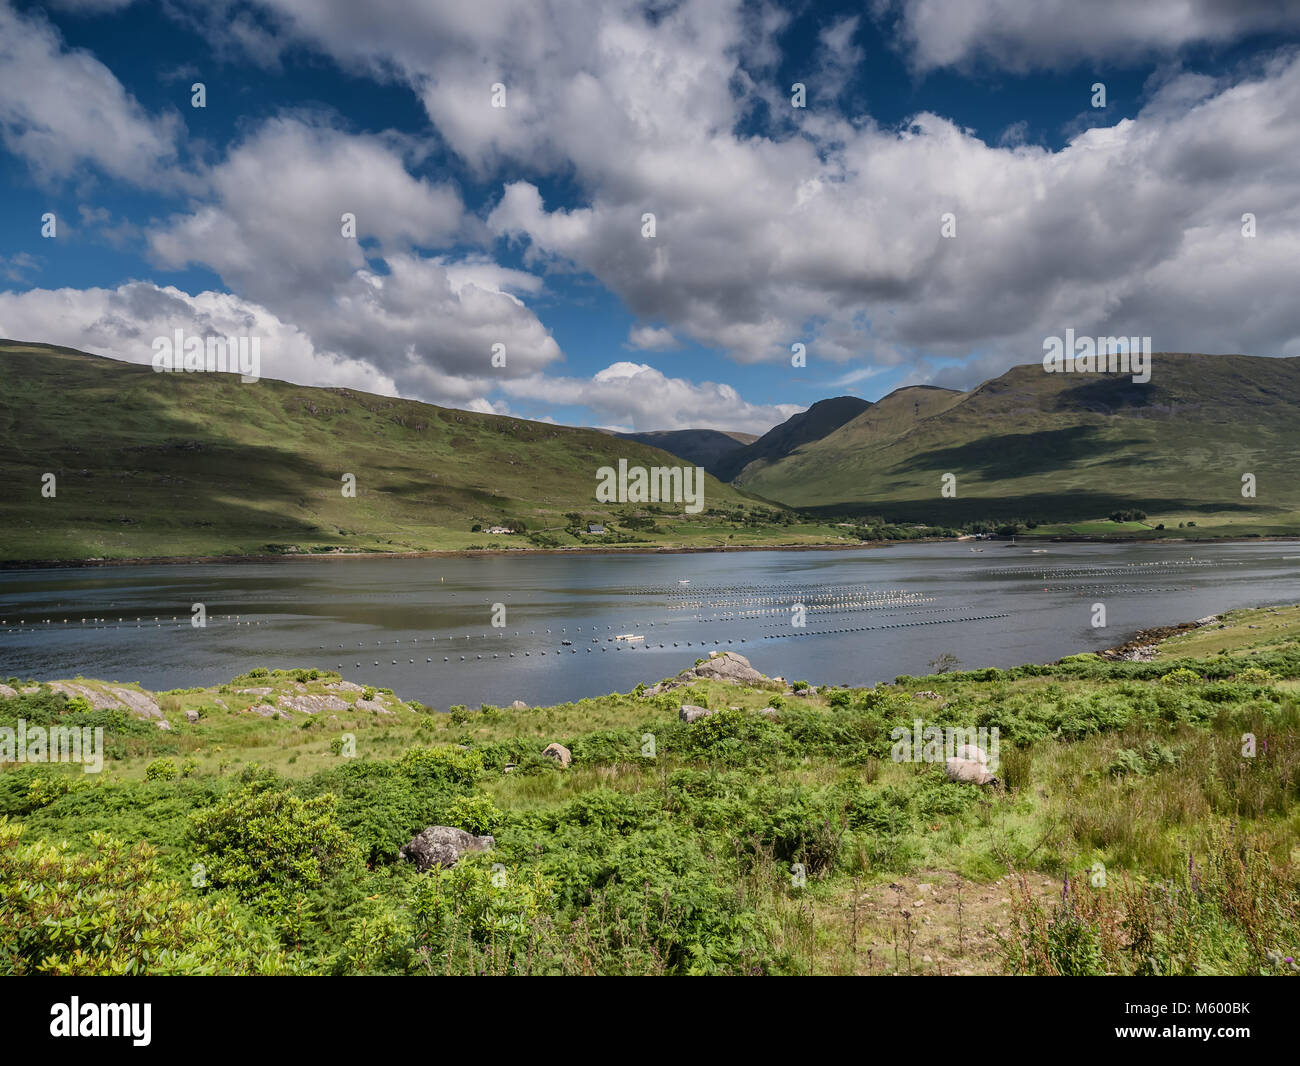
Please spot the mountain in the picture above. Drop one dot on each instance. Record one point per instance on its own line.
(823, 417)
(157, 464)
(699, 447)
(1066, 447)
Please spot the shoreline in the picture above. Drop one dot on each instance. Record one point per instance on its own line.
(434, 553)
(585, 549)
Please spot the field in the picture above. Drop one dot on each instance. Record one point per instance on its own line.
(1129, 831)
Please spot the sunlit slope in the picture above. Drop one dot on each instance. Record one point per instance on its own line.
(1062, 447)
(150, 464)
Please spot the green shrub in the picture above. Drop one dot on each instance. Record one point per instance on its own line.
(161, 770)
(110, 912)
(267, 844)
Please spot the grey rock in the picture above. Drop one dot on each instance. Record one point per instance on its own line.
(726, 666)
(443, 845)
(559, 753)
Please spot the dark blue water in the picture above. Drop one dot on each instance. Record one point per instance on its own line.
(870, 614)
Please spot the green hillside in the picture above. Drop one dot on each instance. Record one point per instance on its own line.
(820, 419)
(1067, 450)
(151, 465)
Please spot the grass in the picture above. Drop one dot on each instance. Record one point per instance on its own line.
(754, 845)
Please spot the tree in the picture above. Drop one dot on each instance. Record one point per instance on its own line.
(945, 663)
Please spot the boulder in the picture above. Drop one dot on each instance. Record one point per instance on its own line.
(442, 845)
(969, 772)
(313, 704)
(191, 716)
(690, 713)
(559, 753)
(110, 697)
(666, 685)
(519, 705)
(726, 666)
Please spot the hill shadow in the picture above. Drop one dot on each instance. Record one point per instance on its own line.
(1073, 506)
(1014, 455)
(1107, 395)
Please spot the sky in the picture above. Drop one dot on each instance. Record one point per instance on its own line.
(950, 195)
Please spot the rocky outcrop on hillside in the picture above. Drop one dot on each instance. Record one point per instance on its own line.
(719, 666)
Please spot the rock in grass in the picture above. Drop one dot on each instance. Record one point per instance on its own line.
(559, 753)
(519, 705)
(690, 713)
(726, 666)
(969, 772)
(443, 845)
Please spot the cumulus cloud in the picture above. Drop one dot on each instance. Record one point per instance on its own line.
(636, 396)
(123, 322)
(272, 226)
(1044, 34)
(834, 238)
(62, 110)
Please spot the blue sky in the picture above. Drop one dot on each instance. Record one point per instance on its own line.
(521, 225)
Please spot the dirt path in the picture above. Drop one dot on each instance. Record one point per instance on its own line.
(952, 923)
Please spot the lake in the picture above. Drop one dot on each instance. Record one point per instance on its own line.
(869, 614)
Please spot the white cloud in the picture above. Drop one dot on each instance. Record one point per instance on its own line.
(271, 227)
(651, 339)
(1020, 35)
(639, 396)
(123, 322)
(62, 110)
